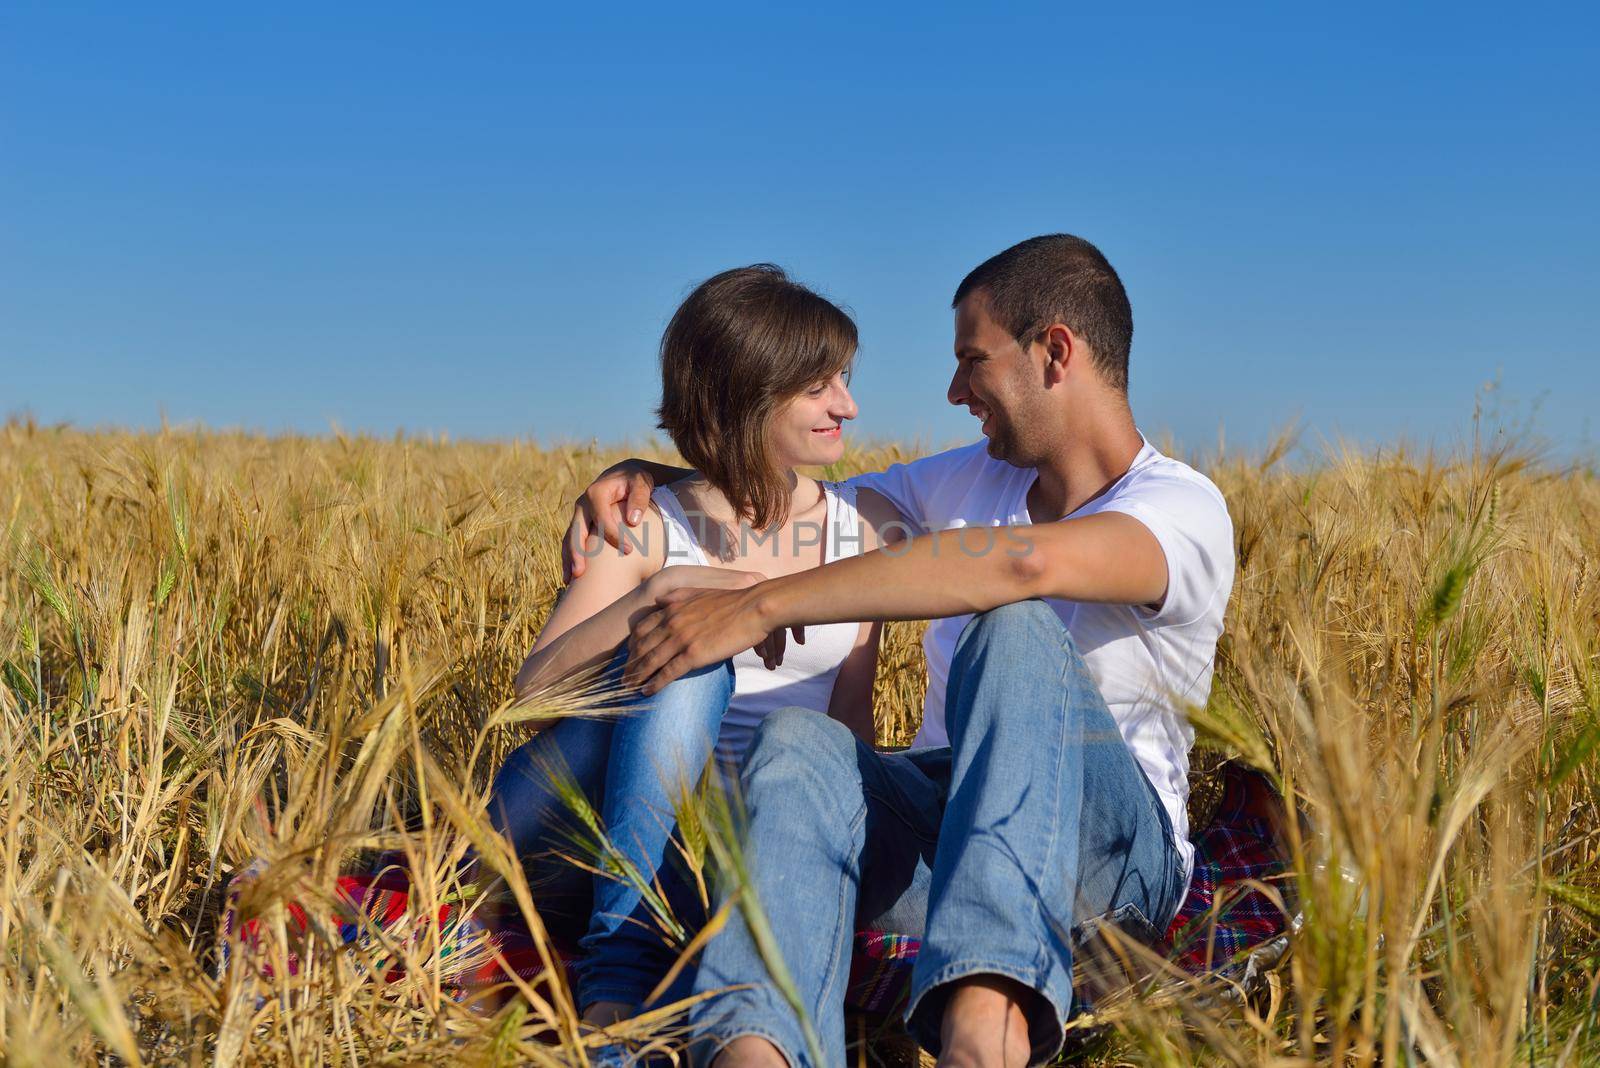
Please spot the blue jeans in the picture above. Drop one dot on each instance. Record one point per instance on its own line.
(1035, 820)
(630, 766)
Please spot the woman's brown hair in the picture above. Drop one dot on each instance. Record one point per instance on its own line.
(745, 342)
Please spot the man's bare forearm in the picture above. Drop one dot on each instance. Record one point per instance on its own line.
(663, 474)
(1108, 559)
(950, 573)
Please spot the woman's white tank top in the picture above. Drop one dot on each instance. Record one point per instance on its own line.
(806, 676)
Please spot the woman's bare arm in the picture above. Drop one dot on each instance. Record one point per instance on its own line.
(596, 610)
(619, 495)
(599, 608)
(851, 702)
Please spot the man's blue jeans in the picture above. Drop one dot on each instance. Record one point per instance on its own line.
(1034, 820)
(630, 766)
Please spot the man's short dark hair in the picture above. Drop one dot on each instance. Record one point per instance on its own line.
(1059, 278)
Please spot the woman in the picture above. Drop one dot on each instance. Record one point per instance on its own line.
(754, 371)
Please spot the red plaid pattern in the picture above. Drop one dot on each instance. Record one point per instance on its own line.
(1227, 912)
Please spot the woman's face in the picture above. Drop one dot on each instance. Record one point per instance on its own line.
(809, 429)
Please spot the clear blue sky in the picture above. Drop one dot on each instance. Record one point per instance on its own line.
(477, 218)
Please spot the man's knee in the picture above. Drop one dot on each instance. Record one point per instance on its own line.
(799, 732)
(798, 744)
(1018, 623)
(1010, 654)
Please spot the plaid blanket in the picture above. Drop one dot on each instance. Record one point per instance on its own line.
(1237, 900)
(1231, 908)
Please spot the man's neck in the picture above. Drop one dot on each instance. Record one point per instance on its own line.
(1094, 453)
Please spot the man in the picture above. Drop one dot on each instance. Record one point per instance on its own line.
(1077, 579)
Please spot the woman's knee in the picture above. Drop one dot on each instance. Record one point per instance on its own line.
(702, 693)
(683, 716)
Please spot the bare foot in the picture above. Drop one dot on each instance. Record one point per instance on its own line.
(984, 1025)
(750, 1051)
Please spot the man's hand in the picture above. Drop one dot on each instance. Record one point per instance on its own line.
(678, 576)
(620, 495)
(693, 628)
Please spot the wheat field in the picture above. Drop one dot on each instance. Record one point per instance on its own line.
(218, 647)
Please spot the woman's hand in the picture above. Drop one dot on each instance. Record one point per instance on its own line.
(771, 648)
(677, 576)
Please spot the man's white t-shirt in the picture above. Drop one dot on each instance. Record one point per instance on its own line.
(1148, 664)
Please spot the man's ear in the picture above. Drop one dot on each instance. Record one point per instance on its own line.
(1060, 349)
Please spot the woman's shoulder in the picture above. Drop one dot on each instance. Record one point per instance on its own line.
(684, 508)
(672, 500)
(880, 521)
(840, 499)
(648, 541)
(684, 492)
(641, 551)
(689, 480)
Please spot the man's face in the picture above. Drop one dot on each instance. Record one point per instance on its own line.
(996, 380)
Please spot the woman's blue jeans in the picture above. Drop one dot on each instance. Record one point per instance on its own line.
(631, 765)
